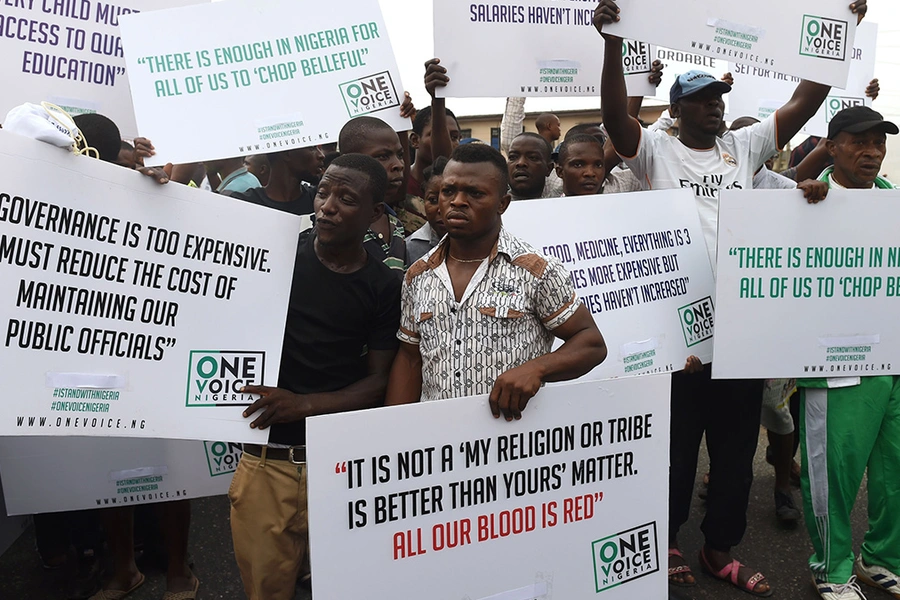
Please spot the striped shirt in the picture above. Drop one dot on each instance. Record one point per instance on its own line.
(506, 317)
(391, 252)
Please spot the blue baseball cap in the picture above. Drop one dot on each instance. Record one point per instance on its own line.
(694, 81)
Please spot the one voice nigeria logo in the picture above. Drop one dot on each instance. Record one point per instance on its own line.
(625, 556)
(835, 104)
(697, 321)
(215, 377)
(823, 38)
(369, 94)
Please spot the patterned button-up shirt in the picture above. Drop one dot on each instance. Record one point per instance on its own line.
(514, 301)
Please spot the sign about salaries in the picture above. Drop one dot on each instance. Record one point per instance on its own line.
(807, 290)
(69, 53)
(809, 38)
(758, 92)
(258, 76)
(557, 50)
(129, 308)
(42, 474)
(639, 264)
(570, 501)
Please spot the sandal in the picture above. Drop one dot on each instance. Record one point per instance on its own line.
(684, 569)
(188, 595)
(118, 594)
(729, 573)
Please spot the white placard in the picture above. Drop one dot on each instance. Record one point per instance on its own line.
(69, 53)
(639, 264)
(258, 75)
(809, 38)
(678, 62)
(10, 527)
(43, 475)
(556, 48)
(807, 290)
(130, 308)
(756, 90)
(568, 502)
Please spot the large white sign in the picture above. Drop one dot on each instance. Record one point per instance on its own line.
(640, 266)
(678, 62)
(528, 48)
(133, 309)
(758, 92)
(807, 291)
(809, 38)
(75, 473)
(568, 502)
(10, 527)
(256, 76)
(69, 53)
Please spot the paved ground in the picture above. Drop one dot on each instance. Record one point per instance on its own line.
(780, 554)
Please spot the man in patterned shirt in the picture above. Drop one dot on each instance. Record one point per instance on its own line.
(480, 311)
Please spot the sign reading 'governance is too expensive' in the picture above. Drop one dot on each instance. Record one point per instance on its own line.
(639, 264)
(807, 290)
(568, 502)
(130, 308)
(259, 76)
(812, 39)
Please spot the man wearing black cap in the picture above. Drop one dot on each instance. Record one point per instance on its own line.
(851, 425)
(726, 411)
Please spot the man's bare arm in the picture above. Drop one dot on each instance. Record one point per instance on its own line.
(405, 383)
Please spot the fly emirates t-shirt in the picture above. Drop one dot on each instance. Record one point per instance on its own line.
(663, 162)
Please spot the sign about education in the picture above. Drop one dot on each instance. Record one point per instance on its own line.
(807, 290)
(258, 76)
(812, 39)
(43, 474)
(757, 91)
(132, 309)
(568, 502)
(69, 53)
(639, 264)
(529, 48)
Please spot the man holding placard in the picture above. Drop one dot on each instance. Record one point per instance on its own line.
(850, 426)
(482, 297)
(727, 411)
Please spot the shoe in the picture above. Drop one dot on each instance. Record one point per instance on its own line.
(839, 591)
(877, 577)
(785, 509)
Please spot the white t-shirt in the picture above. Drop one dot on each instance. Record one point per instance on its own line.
(662, 162)
(768, 180)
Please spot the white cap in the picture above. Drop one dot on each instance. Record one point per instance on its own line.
(36, 121)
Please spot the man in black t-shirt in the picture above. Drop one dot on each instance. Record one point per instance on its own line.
(340, 340)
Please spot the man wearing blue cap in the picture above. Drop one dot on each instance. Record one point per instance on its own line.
(726, 411)
(850, 426)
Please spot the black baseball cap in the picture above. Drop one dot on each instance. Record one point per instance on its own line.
(857, 119)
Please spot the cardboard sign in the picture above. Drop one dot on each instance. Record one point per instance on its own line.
(258, 76)
(756, 90)
(568, 502)
(639, 264)
(528, 48)
(42, 474)
(69, 53)
(807, 290)
(130, 308)
(678, 62)
(812, 39)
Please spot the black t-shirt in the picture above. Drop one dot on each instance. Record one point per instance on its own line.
(333, 321)
(300, 206)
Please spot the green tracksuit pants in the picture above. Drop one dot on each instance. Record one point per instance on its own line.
(845, 431)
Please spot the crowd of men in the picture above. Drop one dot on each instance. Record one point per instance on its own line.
(408, 278)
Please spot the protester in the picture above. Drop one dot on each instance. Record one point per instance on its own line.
(485, 297)
(258, 166)
(232, 176)
(529, 165)
(339, 342)
(426, 238)
(701, 161)
(581, 165)
(548, 127)
(435, 128)
(385, 239)
(287, 188)
(850, 426)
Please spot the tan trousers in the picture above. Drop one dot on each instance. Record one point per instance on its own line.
(269, 526)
